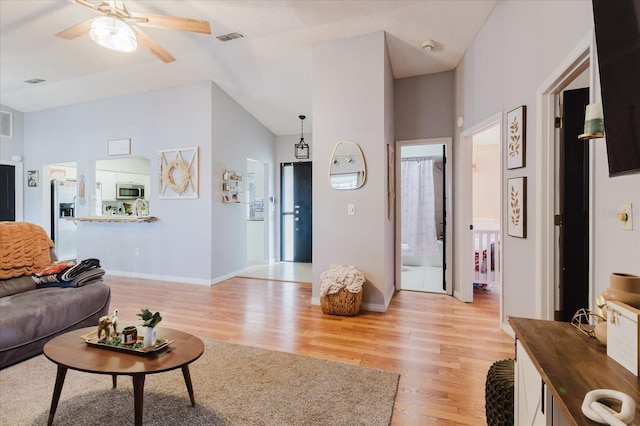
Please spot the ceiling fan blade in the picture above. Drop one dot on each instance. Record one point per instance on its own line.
(76, 31)
(151, 45)
(86, 3)
(171, 22)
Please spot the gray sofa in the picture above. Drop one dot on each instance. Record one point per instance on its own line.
(31, 316)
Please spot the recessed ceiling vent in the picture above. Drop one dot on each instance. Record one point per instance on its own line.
(6, 124)
(230, 36)
(34, 81)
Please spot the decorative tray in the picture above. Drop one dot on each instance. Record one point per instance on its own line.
(115, 344)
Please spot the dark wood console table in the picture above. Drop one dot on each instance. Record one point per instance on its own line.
(572, 364)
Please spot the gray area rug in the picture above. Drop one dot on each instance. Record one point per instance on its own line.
(233, 385)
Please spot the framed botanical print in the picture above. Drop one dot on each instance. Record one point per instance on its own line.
(517, 207)
(516, 137)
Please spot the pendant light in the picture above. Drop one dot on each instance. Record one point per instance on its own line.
(593, 122)
(302, 148)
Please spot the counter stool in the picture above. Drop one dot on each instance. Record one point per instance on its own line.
(498, 393)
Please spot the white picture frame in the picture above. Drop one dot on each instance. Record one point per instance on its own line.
(33, 178)
(178, 173)
(119, 147)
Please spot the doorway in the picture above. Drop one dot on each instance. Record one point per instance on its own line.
(61, 179)
(422, 204)
(257, 220)
(295, 212)
(7, 192)
(576, 65)
(572, 217)
(485, 176)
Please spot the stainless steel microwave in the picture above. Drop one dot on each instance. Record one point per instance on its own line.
(129, 191)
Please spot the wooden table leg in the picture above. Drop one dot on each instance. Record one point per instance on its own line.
(57, 390)
(187, 380)
(114, 379)
(138, 397)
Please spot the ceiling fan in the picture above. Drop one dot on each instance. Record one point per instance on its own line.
(119, 29)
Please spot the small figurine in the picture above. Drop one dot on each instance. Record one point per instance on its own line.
(104, 324)
(114, 323)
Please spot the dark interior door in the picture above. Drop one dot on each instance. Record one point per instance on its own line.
(444, 217)
(7, 193)
(295, 207)
(574, 206)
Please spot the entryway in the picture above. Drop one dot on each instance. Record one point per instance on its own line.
(295, 212)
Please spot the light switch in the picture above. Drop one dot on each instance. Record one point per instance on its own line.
(625, 215)
(351, 209)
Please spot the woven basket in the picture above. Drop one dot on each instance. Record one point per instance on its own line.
(341, 303)
(499, 393)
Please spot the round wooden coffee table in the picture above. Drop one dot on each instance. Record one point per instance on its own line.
(69, 350)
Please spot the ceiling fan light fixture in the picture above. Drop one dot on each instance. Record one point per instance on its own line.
(114, 34)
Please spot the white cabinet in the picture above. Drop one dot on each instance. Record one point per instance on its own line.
(108, 180)
(533, 404)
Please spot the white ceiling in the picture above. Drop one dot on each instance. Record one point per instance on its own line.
(268, 72)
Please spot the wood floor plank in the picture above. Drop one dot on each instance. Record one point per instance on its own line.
(441, 347)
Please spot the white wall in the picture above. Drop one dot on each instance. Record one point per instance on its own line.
(424, 106)
(519, 46)
(353, 100)
(616, 250)
(237, 135)
(14, 145)
(186, 243)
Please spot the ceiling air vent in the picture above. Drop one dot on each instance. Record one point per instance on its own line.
(6, 124)
(230, 36)
(34, 81)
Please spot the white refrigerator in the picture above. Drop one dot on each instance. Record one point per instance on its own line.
(63, 205)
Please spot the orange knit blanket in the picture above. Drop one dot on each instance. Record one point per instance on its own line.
(24, 249)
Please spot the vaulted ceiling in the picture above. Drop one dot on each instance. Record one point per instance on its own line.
(268, 71)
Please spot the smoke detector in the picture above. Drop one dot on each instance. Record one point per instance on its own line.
(428, 45)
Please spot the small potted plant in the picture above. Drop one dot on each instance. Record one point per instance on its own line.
(149, 320)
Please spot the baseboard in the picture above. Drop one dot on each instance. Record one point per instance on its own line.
(371, 307)
(458, 295)
(506, 327)
(225, 277)
(169, 278)
(185, 280)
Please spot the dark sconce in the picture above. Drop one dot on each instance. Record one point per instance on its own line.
(593, 122)
(302, 148)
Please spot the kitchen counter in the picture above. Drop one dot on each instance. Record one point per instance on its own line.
(122, 219)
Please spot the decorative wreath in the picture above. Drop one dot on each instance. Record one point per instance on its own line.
(178, 164)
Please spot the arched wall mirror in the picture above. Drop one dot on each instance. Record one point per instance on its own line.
(347, 169)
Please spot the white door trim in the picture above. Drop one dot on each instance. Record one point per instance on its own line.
(448, 142)
(19, 187)
(545, 253)
(464, 237)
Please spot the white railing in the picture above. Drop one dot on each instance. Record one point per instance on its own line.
(486, 265)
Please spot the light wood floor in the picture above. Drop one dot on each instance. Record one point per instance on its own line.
(441, 347)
